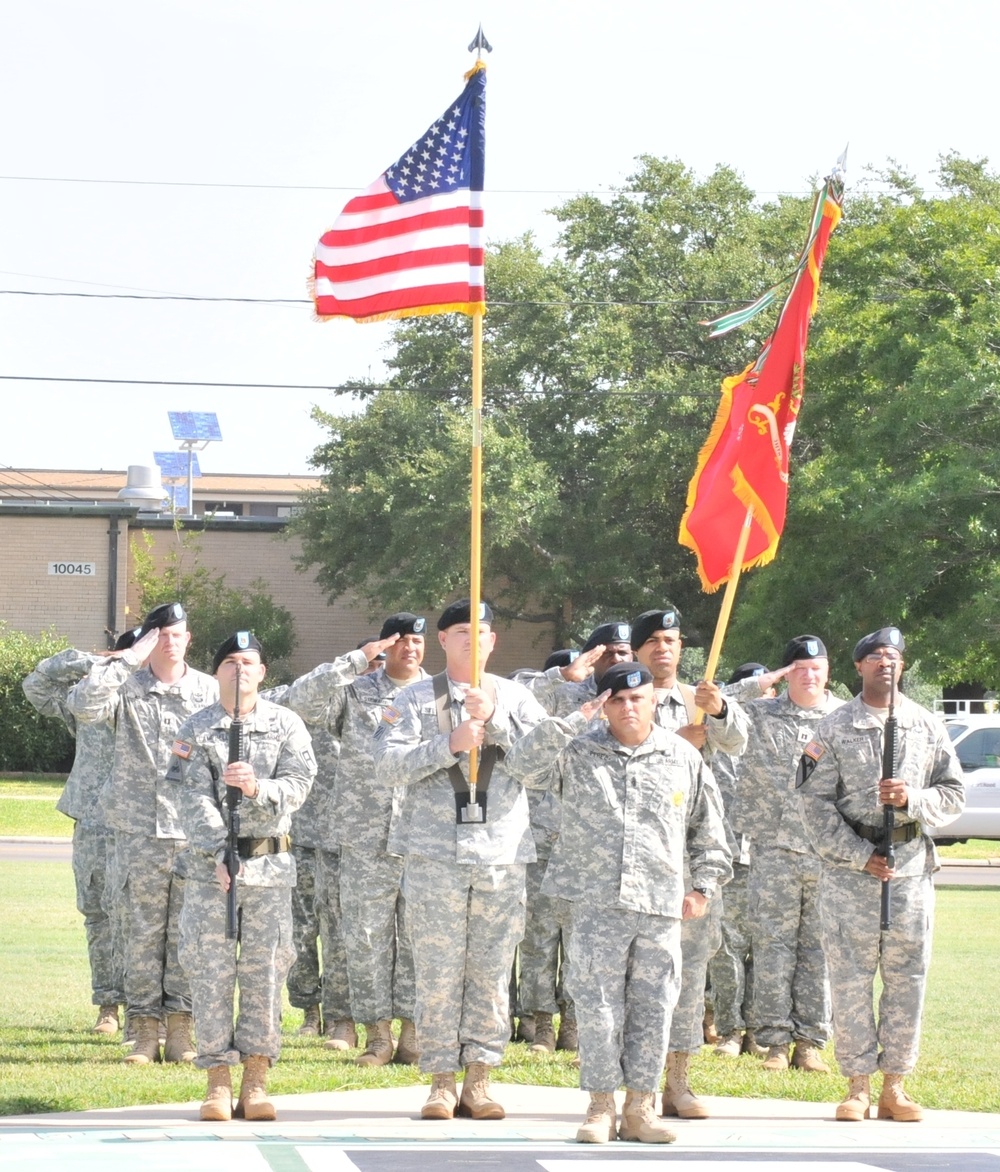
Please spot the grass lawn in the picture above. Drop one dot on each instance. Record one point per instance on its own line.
(52, 1063)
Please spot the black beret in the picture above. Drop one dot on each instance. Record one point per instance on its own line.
(560, 658)
(168, 614)
(608, 633)
(649, 621)
(803, 647)
(403, 623)
(458, 612)
(125, 641)
(745, 670)
(883, 637)
(624, 675)
(240, 641)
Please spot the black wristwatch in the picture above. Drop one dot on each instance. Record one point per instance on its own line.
(721, 715)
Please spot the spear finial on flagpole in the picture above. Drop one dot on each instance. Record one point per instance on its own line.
(480, 44)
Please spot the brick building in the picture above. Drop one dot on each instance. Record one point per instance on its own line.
(67, 543)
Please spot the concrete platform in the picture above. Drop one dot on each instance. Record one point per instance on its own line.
(535, 1116)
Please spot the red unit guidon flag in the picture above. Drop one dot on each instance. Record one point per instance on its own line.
(412, 243)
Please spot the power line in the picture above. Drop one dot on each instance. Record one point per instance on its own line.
(307, 301)
(340, 388)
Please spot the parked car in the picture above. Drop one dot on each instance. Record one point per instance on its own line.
(977, 742)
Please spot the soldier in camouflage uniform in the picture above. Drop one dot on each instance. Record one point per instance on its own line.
(560, 689)
(311, 913)
(791, 991)
(730, 970)
(47, 688)
(635, 797)
(145, 705)
(349, 701)
(657, 643)
(273, 774)
(843, 799)
(463, 879)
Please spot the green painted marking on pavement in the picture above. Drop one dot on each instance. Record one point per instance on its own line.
(282, 1157)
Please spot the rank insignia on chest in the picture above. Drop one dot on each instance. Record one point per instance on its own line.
(391, 715)
(182, 749)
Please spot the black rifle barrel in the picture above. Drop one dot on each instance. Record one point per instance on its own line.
(888, 810)
(234, 796)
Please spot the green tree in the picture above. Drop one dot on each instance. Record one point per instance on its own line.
(29, 742)
(895, 492)
(214, 609)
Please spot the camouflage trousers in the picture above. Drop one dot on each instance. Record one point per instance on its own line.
(730, 970)
(92, 848)
(543, 951)
(625, 974)
(115, 903)
(155, 982)
(857, 948)
(700, 939)
(305, 986)
(336, 989)
(465, 921)
(379, 957)
(791, 996)
(257, 963)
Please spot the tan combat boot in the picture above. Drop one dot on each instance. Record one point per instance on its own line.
(407, 1049)
(254, 1103)
(678, 1098)
(178, 1046)
(312, 1025)
(378, 1045)
(218, 1104)
(895, 1103)
(639, 1120)
(568, 1037)
(777, 1058)
(475, 1102)
(808, 1057)
(855, 1105)
(750, 1046)
(443, 1099)
(525, 1031)
(147, 1041)
(730, 1046)
(545, 1035)
(107, 1020)
(601, 1124)
(343, 1036)
(708, 1030)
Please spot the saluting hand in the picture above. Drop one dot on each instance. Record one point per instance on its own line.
(142, 648)
(581, 667)
(593, 708)
(375, 648)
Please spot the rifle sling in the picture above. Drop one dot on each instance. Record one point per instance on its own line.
(488, 754)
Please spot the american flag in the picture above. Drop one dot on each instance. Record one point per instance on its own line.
(412, 243)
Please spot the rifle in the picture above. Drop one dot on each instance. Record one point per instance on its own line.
(888, 810)
(234, 795)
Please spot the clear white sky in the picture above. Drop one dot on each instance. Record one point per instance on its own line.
(245, 125)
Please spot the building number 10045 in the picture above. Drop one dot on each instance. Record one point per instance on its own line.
(73, 569)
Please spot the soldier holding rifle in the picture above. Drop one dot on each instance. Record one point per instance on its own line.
(842, 791)
(273, 777)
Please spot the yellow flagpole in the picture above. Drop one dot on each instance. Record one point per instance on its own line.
(715, 651)
(475, 569)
